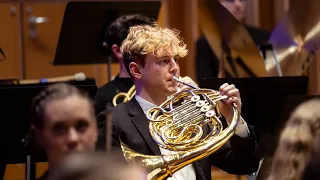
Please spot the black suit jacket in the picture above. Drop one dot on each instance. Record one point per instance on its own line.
(130, 124)
(207, 63)
(104, 95)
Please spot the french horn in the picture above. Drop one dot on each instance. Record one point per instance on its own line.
(178, 125)
(126, 96)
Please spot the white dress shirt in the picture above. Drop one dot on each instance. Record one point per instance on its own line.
(186, 173)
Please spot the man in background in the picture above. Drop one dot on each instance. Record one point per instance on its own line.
(207, 62)
(114, 35)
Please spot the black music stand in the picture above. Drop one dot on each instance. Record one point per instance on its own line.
(16, 139)
(81, 39)
(263, 100)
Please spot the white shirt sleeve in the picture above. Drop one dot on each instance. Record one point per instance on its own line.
(242, 130)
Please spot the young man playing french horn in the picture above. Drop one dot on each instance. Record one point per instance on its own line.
(151, 55)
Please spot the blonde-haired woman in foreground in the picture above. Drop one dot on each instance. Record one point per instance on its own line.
(298, 151)
(96, 166)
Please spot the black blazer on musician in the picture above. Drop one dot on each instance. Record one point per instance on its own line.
(131, 125)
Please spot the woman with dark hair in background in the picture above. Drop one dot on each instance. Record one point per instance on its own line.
(64, 122)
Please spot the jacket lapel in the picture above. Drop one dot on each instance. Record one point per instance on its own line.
(141, 122)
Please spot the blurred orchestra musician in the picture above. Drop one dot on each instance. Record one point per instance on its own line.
(114, 35)
(151, 55)
(207, 62)
(64, 122)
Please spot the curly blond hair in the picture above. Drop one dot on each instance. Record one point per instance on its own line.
(145, 39)
(297, 142)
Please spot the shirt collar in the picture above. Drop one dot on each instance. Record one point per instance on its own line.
(145, 105)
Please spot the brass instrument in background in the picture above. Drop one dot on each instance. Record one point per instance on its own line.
(126, 96)
(230, 41)
(295, 40)
(180, 130)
